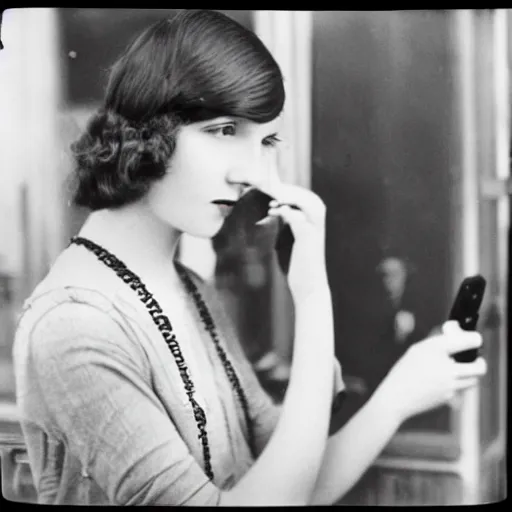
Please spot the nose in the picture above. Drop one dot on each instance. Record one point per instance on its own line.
(246, 175)
(254, 172)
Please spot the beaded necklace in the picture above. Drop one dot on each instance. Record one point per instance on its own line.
(164, 326)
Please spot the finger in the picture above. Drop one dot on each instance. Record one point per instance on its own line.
(293, 206)
(477, 369)
(264, 222)
(292, 217)
(293, 194)
(451, 327)
(468, 382)
(462, 340)
(274, 211)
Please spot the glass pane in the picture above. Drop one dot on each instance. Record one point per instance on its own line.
(383, 149)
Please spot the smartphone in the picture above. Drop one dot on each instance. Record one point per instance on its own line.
(465, 310)
(253, 207)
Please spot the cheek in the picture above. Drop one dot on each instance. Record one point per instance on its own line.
(180, 195)
(161, 197)
(199, 160)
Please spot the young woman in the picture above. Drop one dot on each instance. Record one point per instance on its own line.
(131, 384)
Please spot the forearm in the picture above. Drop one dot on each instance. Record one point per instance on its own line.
(287, 470)
(351, 451)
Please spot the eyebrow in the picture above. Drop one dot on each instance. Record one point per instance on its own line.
(221, 120)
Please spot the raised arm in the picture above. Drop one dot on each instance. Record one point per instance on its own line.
(287, 469)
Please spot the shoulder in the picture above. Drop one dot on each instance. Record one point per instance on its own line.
(72, 312)
(76, 294)
(70, 324)
(76, 268)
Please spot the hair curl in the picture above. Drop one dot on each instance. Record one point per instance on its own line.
(196, 66)
(116, 160)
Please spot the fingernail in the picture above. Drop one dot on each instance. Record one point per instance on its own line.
(450, 326)
(263, 222)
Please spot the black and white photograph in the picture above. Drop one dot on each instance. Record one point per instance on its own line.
(254, 257)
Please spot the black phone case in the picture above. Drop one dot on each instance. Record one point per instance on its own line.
(465, 311)
(254, 205)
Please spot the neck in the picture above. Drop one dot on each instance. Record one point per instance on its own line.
(135, 236)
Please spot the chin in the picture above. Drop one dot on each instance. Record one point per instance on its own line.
(205, 232)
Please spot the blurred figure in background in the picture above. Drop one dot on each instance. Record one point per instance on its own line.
(394, 275)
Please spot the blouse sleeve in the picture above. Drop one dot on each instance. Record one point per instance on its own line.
(98, 393)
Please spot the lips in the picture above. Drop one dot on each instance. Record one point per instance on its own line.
(224, 202)
(225, 206)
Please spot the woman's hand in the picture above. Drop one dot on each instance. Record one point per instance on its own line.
(307, 272)
(426, 376)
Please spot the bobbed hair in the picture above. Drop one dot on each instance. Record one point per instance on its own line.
(193, 67)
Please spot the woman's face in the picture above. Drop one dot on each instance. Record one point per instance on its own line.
(213, 164)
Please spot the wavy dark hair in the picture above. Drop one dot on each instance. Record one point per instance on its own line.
(195, 66)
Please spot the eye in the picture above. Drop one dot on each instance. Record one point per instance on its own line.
(226, 130)
(271, 140)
